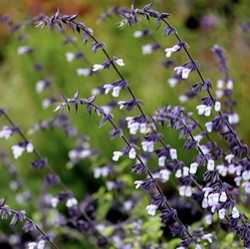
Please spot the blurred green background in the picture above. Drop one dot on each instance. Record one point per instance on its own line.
(200, 23)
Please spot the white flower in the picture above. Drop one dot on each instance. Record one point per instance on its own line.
(151, 209)
(6, 132)
(219, 93)
(172, 82)
(222, 213)
(230, 85)
(206, 191)
(188, 191)
(71, 202)
(138, 184)
(185, 171)
(201, 109)
(238, 180)
(231, 169)
(116, 91)
(223, 196)
(46, 103)
(29, 147)
(120, 62)
(238, 170)
(173, 154)
(246, 185)
(133, 128)
(41, 244)
(209, 126)
(83, 71)
(198, 246)
(143, 128)
(207, 111)
(183, 98)
(128, 205)
(100, 228)
(132, 153)
(213, 208)
(161, 161)
(213, 199)
(70, 56)
(204, 149)
(138, 34)
(217, 106)
(97, 67)
(185, 191)
(164, 175)
(148, 146)
(208, 237)
(169, 51)
(121, 104)
(95, 91)
(97, 172)
(222, 170)
(107, 88)
(229, 157)
(178, 173)
(32, 245)
(147, 49)
(54, 201)
(40, 85)
(14, 239)
(110, 185)
(235, 213)
(101, 172)
(117, 155)
(210, 165)
(208, 219)
(198, 138)
(179, 69)
(204, 203)
(193, 168)
(246, 175)
(220, 84)
(17, 150)
(24, 50)
(233, 118)
(185, 73)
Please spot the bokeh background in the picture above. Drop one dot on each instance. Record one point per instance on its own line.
(200, 23)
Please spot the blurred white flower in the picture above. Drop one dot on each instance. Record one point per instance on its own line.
(97, 67)
(117, 155)
(151, 209)
(70, 56)
(83, 71)
(71, 202)
(120, 62)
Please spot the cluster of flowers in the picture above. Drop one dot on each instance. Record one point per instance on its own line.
(144, 143)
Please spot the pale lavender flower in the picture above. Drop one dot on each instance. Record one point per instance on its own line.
(71, 202)
(83, 71)
(97, 67)
(117, 155)
(24, 50)
(151, 209)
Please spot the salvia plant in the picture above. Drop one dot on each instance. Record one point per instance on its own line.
(143, 195)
